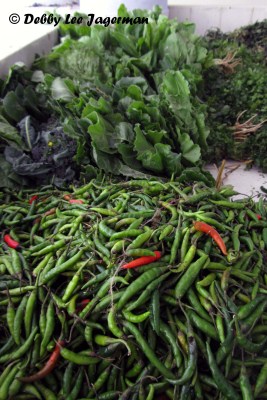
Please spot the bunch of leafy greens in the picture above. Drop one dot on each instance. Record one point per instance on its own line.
(242, 91)
(33, 145)
(122, 99)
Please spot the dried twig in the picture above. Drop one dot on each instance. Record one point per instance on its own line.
(228, 63)
(219, 179)
(231, 170)
(243, 130)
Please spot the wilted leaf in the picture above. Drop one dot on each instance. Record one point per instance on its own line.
(60, 90)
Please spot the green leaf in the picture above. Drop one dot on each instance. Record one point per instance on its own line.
(28, 133)
(135, 92)
(8, 178)
(105, 137)
(195, 174)
(31, 103)
(202, 130)
(10, 134)
(101, 105)
(174, 50)
(124, 132)
(156, 136)
(141, 145)
(138, 112)
(13, 108)
(88, 172)
(175, 84)
(171, 161)
(37, 76)
(125, 43)
(190, 151)
(76, 129)
(108, 163)
(132, 173)
(146, 153)
(123, 84)
(101, 132)
(122, 11)
(61, 91)
(129, 156)
(23, 165)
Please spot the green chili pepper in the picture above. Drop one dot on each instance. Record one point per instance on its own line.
(63, 267)
(166, 332)
(246, 310)
(105, 230)
(51, 248)
(167, 230)
(49, 329)
(76, 358)
(103, 340)
(29, 311)
(16, 354)
(7, 382)
(140, 240)
(137, 285)
(245, 386)
(136, 319)
(261, 380)
(223, 385)
(189, 276)
(176, 242)
(203, 325)
(147, 350)
(18, 320)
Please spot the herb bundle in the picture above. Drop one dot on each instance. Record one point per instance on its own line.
(237, 106)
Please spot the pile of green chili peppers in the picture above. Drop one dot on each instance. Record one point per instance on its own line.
(191, 325)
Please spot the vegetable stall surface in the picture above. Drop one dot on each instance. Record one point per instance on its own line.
(75, 324)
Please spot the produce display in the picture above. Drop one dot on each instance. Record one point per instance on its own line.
(132, 289)
(135, 100)
(126, 271)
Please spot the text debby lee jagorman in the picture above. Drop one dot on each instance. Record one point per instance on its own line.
(54, 20)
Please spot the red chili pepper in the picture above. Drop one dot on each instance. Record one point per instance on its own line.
(49, 366)
(142, 261)
(33, 198)
(82, 305)
(76, 201)
(66, 197)
(259, 216)
(209, 230)
(11, 242)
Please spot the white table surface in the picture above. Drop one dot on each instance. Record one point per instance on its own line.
(245, 181)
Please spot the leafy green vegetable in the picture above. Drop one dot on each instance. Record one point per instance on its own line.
(8, 178)
(13, 108)
(9, 134)
(123, 99)
(242, 91)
